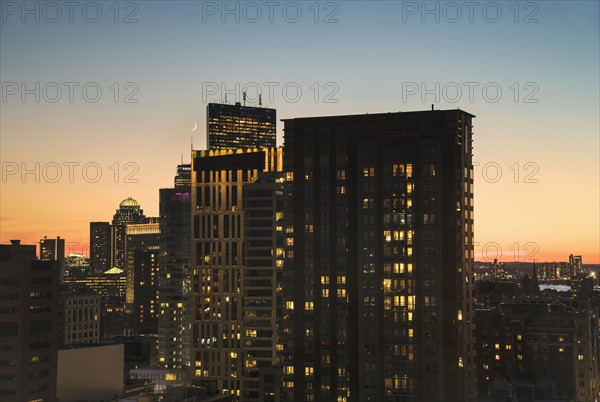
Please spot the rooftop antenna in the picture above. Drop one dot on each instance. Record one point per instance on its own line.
(244, 95)
(259, 99)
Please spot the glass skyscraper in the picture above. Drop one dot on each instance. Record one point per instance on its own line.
(237, 126)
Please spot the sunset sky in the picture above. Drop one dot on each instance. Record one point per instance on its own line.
(377, 57)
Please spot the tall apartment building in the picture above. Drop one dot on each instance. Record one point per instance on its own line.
(28, 324)
(237, 126)
(234, 259)
(175, 280)
(142, 249)
(100, 247)
(378, 234)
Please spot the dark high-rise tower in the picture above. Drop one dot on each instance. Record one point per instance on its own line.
(175, 273)
(378, 235)
(28, 324)
(237, 126)
(99, 247)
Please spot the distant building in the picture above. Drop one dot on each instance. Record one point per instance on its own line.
(111, 283)
(575, 262)
(78, 263)
(53, 250)
(79, 317)
(237, 126)
(129, 212)
(546, 344)
(498, 269)
(29, 324)
(100, 247)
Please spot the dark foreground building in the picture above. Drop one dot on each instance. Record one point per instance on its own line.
(237, 126)
(378, 234)
(29, 291)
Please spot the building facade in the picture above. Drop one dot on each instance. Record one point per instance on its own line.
(175, 274)
(378, 238)
(79, 318)
(543, 344)
(28, 324)
(234, 306)
(237, 126)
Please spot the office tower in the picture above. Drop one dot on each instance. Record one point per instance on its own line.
(175, 273)
(142, 248)
(378, 234)
(53, 250)
(129, 212)
(79, 317)
(28, 324)
(100, 250)
(234, 262)
(237, 126)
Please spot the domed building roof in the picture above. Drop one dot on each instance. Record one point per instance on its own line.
(129, 202)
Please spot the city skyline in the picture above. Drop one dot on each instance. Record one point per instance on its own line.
(350, 201)
(543, 127)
